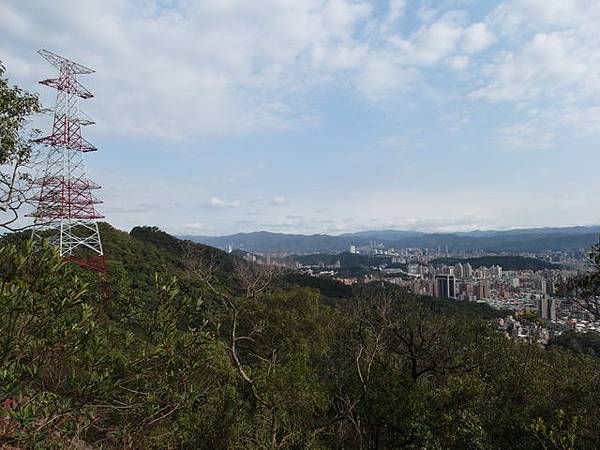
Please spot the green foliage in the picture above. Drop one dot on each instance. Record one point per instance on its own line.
(584, 343)
(351, 260)
(182, 346)
(16, 106)
(586, 287)
(559, 434)
(328, 287)
(75, 374)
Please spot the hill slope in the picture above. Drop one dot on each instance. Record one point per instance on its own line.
(133, 359)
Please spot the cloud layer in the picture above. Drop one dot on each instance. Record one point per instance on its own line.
(517, 75)
(202, 68)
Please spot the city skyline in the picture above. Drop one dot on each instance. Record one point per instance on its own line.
(330, 116)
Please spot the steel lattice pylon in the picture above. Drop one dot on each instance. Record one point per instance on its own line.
(65, 204)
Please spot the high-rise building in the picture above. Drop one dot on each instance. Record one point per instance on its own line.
(445, 285)
(467, 270)
(553, 308)
(551, 287)
(496, 271)
(459, 271)
(543, 286)
(482, 291)
(548, 307)
(466, 288)
(353, 249)
(544, 307)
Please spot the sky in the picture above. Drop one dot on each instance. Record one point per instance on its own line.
(328, 116)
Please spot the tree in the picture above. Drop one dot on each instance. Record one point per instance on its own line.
(69, 375)
(587, 286)
(394, 353)
(273, 338)
(16, 106)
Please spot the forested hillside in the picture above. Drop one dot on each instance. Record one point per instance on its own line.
(182, 346)
(344, 259)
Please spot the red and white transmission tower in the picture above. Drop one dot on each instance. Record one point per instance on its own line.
(65, 212)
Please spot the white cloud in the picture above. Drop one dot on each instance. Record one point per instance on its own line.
(216, 202)
(476, 38)
(584, 120)
(183, 70)
(543, 129)
(193, 68)
(517, 16)
(434, 42)
(194, 226)
(554, 51)
(551, 65)
(459, 63)
(381, 74)
(525, 136)
(279, 201)
(396, 9)
(426, 14)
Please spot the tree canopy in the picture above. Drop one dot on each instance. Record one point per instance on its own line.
(16, 107)
(183, 346)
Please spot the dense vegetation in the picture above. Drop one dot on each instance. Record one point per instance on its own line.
(182, 346)
(507, 262)
(16, 106)
(344, 259)
(350, 265)
(585, 343)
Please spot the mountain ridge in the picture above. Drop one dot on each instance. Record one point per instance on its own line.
(514, 240)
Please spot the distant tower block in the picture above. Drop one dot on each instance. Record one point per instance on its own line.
(65, 206)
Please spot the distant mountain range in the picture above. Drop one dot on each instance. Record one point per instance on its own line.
(517, 240)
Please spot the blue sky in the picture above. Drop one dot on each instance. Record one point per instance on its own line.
(219, 116)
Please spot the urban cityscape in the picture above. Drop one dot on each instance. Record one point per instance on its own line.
(543, 291)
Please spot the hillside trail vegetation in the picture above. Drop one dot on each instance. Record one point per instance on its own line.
(182, 346)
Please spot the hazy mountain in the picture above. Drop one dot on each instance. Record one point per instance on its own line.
(383, 235)
(502, 242)
(537, 231)
(263, 241)
(533, 240)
